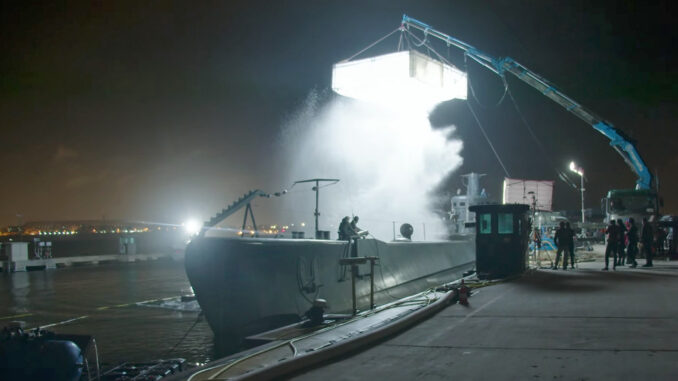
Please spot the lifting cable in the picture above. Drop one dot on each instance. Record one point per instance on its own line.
(400, 41)
(475, 116)
(488, 139)
(371, 45)
(473, 91)
(563, 176)
(428, 46)
(423, 42)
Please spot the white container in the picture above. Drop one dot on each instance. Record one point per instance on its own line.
(16, 251)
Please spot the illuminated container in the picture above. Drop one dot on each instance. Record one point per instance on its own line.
(399, 78)
(528, 192)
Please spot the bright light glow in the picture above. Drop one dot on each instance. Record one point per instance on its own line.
(573, 168)
(402, 79)
(388, 160)
(192, 226)
(503, 193)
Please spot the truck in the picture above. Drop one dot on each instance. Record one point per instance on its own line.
(640, 202)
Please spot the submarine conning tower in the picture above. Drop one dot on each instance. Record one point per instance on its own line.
(462, 220)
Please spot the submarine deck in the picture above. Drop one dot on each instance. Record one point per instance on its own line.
(583, 324)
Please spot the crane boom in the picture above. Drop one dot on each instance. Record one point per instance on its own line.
(618, 139)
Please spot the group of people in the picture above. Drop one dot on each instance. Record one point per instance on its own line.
(564, 240)
(622, 243)
(348, 228)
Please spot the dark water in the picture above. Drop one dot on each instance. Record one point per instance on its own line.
(105, 298)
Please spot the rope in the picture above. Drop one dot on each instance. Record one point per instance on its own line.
(371, 45)
(473, 91)
(488, 139)
(197, 320)
(428, 46)
(563, 176)
(560, 174)
(62, 322)
(400, 41)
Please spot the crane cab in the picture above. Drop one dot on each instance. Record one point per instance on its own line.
(626, 203)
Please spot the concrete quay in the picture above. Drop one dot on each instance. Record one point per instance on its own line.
(53, 263)
(582, 324)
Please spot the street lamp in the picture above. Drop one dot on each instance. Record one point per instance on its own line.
(580, 172)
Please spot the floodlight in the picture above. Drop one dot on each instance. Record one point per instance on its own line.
(573, 168)
(399, 79)
(580, 172)
(192, 227)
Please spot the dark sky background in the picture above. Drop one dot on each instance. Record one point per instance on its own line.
(158, 111)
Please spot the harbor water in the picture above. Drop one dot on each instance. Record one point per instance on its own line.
(133, 310)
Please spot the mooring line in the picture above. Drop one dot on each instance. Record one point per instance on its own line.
(15, 316)
(103, 308)
(63, 322)
(137, 303)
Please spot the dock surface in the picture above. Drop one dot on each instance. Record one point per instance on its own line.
(582, 324)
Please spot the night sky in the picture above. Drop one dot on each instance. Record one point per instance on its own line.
(158, 111)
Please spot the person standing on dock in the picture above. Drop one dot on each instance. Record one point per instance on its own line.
(570, 245)
(621, 242)
(561, 241)
(632, 250)
(611, 245)
(646, 236)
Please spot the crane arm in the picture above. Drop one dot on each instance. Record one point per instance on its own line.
(618, 139)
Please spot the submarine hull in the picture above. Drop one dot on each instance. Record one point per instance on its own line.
(249, 285)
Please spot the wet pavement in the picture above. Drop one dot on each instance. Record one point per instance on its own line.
(582, 324)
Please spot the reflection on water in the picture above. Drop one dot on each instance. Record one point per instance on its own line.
(18, 294)
(107, 296)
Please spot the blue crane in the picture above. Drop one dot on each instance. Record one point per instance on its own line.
(618, 139)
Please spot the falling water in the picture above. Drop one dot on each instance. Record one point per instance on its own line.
(388, 161)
